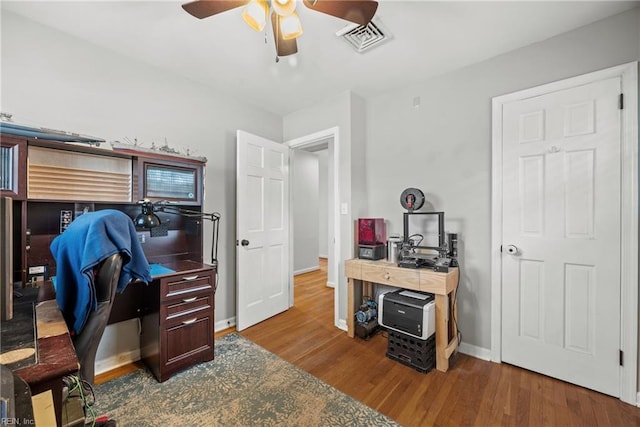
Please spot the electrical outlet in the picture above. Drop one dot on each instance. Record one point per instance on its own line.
(141, 238)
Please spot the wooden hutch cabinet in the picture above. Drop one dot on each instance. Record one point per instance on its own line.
(170, 180)
(51, 183)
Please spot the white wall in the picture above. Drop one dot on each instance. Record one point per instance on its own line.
(61, 82)
(345, 112)
(444, 146)
(323, 203)
(305, 209)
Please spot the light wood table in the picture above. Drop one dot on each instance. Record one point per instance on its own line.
(363, 274)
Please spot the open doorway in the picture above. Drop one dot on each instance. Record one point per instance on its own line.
(310, 208)
(318, 154)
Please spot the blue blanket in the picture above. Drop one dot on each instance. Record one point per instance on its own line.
(90, 239)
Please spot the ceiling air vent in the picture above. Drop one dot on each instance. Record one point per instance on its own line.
(363, 37)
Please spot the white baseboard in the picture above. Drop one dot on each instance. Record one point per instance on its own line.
(122, 359)
(475, 351)
(323, 256)
(221, 325)
(342, 324)
(113, 362)
(306, 270)
(330, 284)
(638, 400)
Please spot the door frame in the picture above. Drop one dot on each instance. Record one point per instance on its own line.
(307, 141)
(629, 219)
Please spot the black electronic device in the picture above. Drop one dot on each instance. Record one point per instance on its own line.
(37, 274)
(416, 262)
(424, 244)
(373, 252)
(442, 265)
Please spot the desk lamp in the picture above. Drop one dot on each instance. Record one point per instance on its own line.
(149, 219)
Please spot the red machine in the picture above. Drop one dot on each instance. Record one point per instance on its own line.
(372, 238)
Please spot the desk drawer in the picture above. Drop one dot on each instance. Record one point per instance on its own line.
(186, 341)
(187, 331)
(182, 286)
(393, 276)
(187, 309)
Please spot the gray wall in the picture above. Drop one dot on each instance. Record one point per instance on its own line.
(57, 81)
(345, 111)
(305, 208)
(444, 146)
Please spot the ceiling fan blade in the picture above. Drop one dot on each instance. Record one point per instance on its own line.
(205, 8)
(283, 47)
(358, 11)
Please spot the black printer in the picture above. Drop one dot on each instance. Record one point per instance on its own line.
(410, 312)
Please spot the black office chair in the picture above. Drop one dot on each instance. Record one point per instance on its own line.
(86, 342)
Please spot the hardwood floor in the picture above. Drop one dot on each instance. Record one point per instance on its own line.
(472, 392)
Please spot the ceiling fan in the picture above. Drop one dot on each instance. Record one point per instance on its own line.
(284, 20)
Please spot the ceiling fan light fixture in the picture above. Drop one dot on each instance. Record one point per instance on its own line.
(255, 14)
(284, 7)
(290, 26)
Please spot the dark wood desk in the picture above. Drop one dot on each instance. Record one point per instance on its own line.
(177, 316)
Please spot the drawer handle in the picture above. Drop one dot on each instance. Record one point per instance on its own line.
(190, 299)
(194, 277)
(189, 322)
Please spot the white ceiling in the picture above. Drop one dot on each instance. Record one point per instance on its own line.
(428, 38)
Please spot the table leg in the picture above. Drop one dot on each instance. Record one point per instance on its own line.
(454, 313)
(350, 308)
(442, 332)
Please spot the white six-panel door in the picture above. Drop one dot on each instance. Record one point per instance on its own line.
(561, 234)
(262, 229)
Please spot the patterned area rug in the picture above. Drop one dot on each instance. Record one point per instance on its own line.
(245, 385)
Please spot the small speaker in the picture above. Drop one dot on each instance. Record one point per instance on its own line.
(159, 231)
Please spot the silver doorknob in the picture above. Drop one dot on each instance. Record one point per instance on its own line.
(512, 250)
